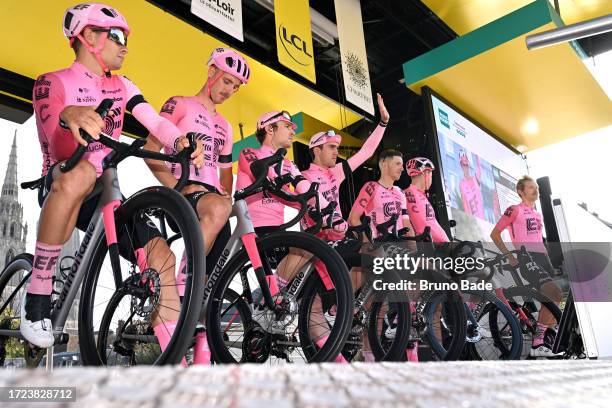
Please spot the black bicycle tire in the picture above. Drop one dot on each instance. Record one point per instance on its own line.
(177, 206)
(402, 335)
(305, 241)
(495, 305)
(459, 316)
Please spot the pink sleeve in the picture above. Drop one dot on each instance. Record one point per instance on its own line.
(508, 218)
(161, 128)
(245, 177)
(363, 199)
(368, 148)
(48, 102)
(225, 155)
(303, 185)
(173, 109)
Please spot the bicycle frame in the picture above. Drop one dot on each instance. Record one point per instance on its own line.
(244, 236)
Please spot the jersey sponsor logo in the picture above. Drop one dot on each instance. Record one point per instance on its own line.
(201, 120)
(85, 90)
(331, 194)
(410, 197)
(42, 81)
(532, 225)
(249, 155)
(169, 106)
(112, 92)
(43, 118)
(415, 209)
(41, 92)
(112, 121)
(429, 212)
(390, 208)
(509, 211)
(86, 99)
(94, 147)
(369, 188)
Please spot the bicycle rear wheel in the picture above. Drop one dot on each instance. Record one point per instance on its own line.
(286, 334)
(496, 334)
(530, 302)
(149, 293)
(445, 333)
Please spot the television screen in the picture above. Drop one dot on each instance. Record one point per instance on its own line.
(478, 172)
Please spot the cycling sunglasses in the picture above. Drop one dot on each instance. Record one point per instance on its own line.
(116, 35)
(284, 114)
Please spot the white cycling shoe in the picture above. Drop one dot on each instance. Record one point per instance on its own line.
(40, 331)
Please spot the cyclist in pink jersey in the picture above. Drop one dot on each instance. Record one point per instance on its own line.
(380, 199)
(469, 186)
(64, 102)
(209, 189)
(329, 174)
(275, 130)
(525, 225)
(420, 210)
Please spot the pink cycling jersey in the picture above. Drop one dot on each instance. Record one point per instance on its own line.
(471, 197)
(266, 210)
(189, 115)
(525, 225)
(422, 214)
(380, 203)
(78, 86)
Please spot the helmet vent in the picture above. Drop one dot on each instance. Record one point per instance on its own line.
(68, 20)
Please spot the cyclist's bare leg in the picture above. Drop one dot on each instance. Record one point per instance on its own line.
(61, 207)
(57, 220)
(551, 290)
(292, 263)
(213, 211)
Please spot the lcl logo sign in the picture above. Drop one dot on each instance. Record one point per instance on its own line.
(295, 46)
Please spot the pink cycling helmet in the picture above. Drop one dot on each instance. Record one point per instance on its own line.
(269, 118)
(417, 165)
(229, 61)
(76, 18)
(324, 137)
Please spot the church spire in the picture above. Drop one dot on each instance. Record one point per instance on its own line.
(9, 187)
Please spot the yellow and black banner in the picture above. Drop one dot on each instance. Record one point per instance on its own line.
(294, 38)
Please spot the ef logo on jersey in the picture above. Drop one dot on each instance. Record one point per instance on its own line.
(533, 225)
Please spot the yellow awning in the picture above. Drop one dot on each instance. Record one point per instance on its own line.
(529, 98)
(167, 57)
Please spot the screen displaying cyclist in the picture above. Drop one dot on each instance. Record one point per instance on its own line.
(420, 210)
(64, 102)
(210, 187)
(329, 174)
(525, 225)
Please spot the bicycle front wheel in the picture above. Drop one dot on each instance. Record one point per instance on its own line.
(149, 299)
(284, 334)
(493, 331)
